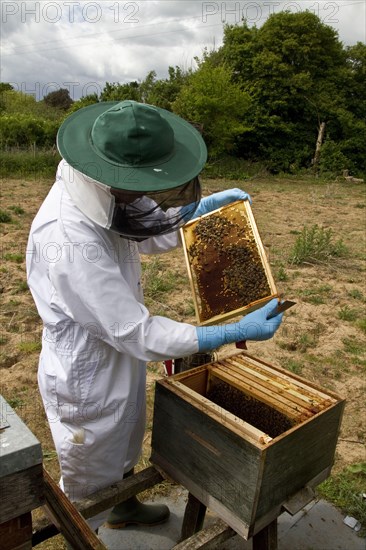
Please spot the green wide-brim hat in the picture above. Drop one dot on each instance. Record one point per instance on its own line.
(132, 146)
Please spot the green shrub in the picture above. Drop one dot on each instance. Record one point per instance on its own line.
(315, 244)
(21, 130)
(332, 160)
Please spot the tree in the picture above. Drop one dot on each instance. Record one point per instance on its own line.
(119, 92)
(83, 102)
(59, 99)
(4, 87)
(293, 69)
(165, 91)
(211, 100)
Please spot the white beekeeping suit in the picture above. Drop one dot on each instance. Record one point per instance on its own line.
(97, 336)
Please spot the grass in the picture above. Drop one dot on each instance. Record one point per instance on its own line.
(361, 324)
(353, 346)
(29, 347)
(17, 258)
(17, 210)
(29, 164)
(155, 279)
(345, 491)
(293, 366)
(301, 343)
(316, 244)
(158, 282)
(21, 286)
(316, 295)
(16, 402)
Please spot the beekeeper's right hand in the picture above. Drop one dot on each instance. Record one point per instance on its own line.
(253, 326)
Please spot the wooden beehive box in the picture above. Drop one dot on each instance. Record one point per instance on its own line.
(21, 470)
(227, 264)
(244, 470)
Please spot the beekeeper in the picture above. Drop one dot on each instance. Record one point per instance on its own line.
(127, 182)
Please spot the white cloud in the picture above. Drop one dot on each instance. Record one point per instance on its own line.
(82, 44)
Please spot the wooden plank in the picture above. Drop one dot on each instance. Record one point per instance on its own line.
(233, 520)
(102, 500)
(208, 538)
(67, 518)
(298, 456)
(120, 491)
(186, 238)
(289, 390)
(269, 387)
(260, 247)
(17, 533)
(21, 492)
(308, 387)
(267, 538)
(197, 382)
(297, 502)
(194, 516)
(221, 415)
(190, 446)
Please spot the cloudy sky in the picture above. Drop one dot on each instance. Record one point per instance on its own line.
(80, 45)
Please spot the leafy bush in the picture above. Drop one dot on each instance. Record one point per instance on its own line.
(332, 160)
(25, 130)
(315, 244)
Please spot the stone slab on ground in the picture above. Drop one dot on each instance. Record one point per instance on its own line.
(318, 526)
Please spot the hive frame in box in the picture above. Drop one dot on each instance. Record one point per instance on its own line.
(231, 466)
(188, 239)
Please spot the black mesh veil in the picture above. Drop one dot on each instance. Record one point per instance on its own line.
(139, 216)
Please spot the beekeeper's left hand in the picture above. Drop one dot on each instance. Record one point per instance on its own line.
(217, 200)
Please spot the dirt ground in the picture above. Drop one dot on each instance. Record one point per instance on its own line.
(322, 338)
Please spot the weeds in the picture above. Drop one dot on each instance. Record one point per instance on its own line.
(5, 217)
(355, 294)
(314, 245)
(347, 314)
(281, 274)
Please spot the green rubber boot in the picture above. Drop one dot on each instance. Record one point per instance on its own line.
(134, 512)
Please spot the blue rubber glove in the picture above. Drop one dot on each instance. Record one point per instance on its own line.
(253, 326)
(217, 200)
